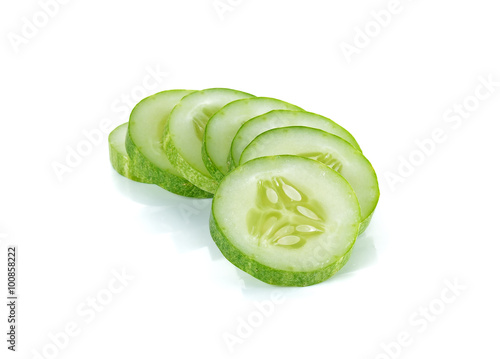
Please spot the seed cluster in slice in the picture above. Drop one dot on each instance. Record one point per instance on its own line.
(292, 190)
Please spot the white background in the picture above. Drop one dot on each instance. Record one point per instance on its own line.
(438, 224)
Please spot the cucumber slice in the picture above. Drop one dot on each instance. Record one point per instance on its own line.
(327, 148)
(286, 220)
(185, 129)
(283, 118)
(222, 127)
(144, 144)
(118, 154)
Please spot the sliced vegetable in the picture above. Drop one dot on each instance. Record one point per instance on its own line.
(185, 129)
(292, 190)
(286, 220)
(144, 144)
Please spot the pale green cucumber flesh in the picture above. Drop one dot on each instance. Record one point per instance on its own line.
(328, 149)
(144, 144)
(286, 220)
(283, 118)
(185, 129)
(224, 124)
(118, 156)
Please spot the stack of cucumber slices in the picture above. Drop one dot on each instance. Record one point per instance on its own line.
(291, 189)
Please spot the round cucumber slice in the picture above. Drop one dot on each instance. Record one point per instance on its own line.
(144, 144)
(286, 220)
(118, 154)
(224, 124)
(283, 118)
(185, 130)
(329, 149)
